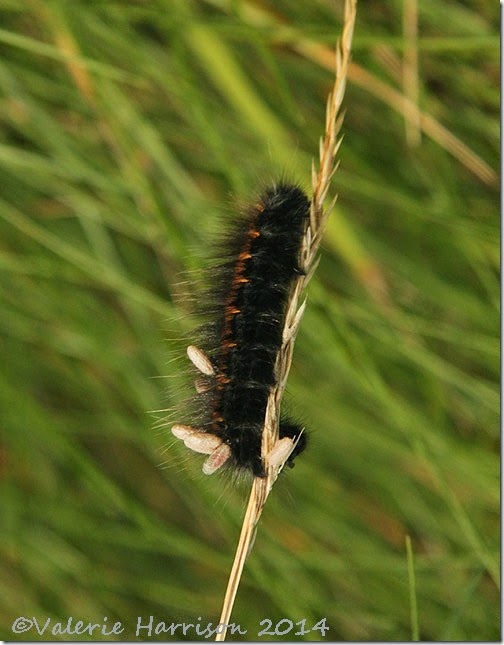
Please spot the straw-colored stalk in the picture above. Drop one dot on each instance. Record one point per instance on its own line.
(329, 145)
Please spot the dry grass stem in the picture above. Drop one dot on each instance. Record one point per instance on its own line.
(410, 69)
(329, 146)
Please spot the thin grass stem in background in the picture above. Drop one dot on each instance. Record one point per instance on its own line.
(415, 631)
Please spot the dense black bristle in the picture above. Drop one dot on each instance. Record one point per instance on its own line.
(295, 432)
(244, 340)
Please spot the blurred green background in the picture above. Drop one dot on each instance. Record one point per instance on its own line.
(127, 128)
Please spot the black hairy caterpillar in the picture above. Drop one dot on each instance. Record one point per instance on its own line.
(242, 344)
